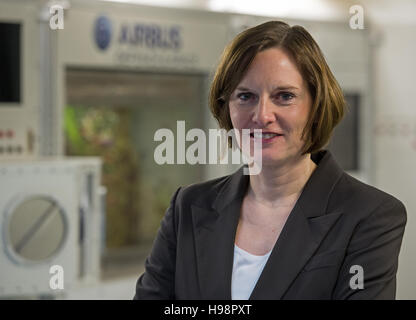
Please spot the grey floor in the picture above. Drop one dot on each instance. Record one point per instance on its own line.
(115, 289)
(119, 273)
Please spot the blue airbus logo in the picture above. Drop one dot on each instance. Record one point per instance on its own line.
(102, 32)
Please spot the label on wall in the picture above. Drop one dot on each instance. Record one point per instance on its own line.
(93, 38)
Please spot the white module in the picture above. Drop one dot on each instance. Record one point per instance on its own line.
(50, 220)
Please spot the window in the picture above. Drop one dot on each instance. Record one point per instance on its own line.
(344, 144)
(10, 63)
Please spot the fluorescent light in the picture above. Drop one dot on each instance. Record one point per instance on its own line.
(317, 9)
(301, 9)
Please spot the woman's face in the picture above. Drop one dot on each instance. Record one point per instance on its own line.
(272, 97)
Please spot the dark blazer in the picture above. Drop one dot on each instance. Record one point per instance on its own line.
(337, 222)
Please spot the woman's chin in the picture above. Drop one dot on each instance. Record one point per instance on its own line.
(279, 158)
(270, 157)
(267, 158)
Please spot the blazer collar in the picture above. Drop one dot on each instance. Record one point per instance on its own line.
(215, 229)
(325, 175)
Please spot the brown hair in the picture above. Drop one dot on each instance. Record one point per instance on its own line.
(328, 104)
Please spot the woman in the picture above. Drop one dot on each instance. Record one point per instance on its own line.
(301, 228)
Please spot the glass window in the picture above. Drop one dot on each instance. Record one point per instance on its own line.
(344, 143)
(9, 62)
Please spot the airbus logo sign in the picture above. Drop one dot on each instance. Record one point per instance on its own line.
(102, 32)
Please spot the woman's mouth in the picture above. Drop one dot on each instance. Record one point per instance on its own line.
(265, 137)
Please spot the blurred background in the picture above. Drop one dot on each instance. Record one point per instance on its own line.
(85, 84)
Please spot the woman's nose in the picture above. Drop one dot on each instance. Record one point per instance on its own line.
(264, 113)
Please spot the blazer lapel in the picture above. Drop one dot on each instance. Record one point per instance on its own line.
(215, 229)
(297, 243)
(308, 223)
(214, 242)
(305, 228)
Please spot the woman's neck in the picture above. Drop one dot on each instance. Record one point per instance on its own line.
(277, 186)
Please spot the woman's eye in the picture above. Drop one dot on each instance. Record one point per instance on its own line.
(245, 96)
(286, 96)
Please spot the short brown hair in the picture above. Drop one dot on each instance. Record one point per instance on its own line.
(328, 103)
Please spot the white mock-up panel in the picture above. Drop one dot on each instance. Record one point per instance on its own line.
(395, 133)
(22, 181)
(21, 119)
(40, 221)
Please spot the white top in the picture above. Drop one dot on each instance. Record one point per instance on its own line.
(247, 269)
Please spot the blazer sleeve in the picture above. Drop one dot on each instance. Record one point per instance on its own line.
(374, 246)
(158, 279)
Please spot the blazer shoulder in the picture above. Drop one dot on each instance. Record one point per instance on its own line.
(353, 191)
(202, 193)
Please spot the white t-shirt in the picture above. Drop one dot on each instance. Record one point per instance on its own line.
(247, 269)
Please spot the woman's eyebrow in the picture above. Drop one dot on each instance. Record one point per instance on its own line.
(281, 87)
(285, 87)
(243, 89)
